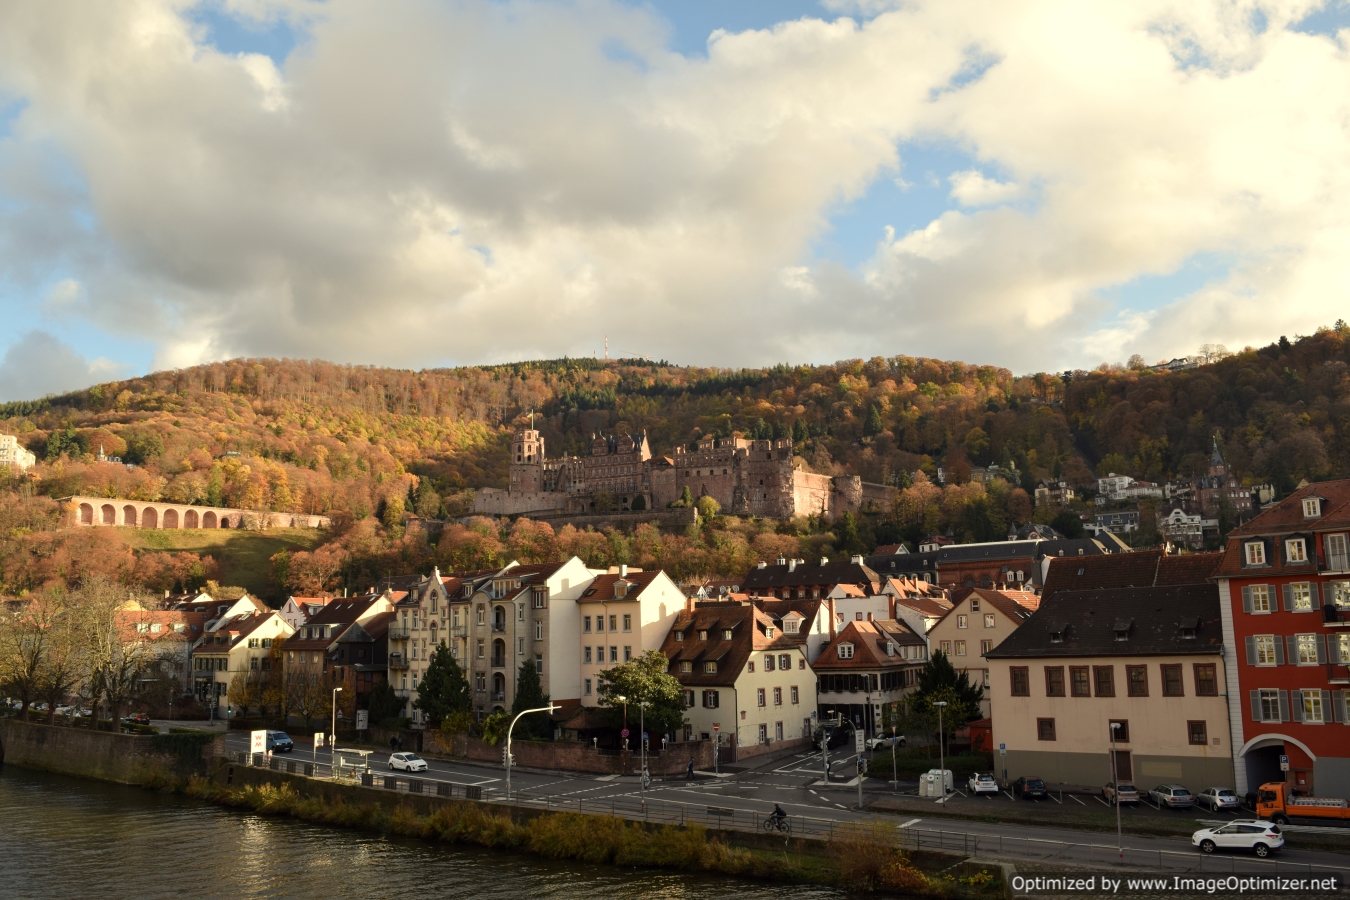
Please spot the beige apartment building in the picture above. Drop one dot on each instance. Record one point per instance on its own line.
(240, 644)
(975, 625)
(623, 615)
(1148, 660)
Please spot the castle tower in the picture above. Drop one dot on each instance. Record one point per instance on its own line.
(1217, 467)
(527, 461)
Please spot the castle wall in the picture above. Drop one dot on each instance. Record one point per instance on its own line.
(496, 502)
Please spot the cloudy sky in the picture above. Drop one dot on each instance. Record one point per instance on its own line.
(416, 183)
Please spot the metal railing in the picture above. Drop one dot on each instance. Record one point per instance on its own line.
(398, 661)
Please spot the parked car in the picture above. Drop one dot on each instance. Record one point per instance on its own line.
(1126, 792)
(1218, 798)
(880, 743)
(1172, 796)
(839, 737)
(1029, 787)
(279, 742)
(143, 720)
(408, 762)
(982, 783)
(1244, 834)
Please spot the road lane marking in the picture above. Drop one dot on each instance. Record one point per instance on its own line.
(909, 823)
(1080, 802)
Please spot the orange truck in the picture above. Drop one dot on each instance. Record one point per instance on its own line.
(1274, 803)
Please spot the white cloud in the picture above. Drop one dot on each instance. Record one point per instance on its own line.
(478, 181)
(38, 364)
(972, 188)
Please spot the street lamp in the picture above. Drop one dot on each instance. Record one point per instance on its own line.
(1115, 780)
(642, 736)
(548, 709)
(942, 758)
(332, 745)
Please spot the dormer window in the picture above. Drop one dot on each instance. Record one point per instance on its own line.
(679, 636)
(1255, 553)
(890, 648)
(1296, 550)
(1312, 507)
(1188, 627)
(768, 631)
(686, 667)
(845, 651)
(726, 634)
(1057, 635)
(703, 635)
(790, 626)
(1122, 634)
(620, 590)
(1188, 634)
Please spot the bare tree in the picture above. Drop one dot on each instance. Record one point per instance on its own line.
(1213, 352)
(24, 638)
(116, 657)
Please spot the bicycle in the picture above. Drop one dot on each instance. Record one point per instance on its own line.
(776, 823)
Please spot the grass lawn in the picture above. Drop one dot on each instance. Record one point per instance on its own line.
(244, 556)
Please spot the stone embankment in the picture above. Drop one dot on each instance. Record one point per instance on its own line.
(121, 758)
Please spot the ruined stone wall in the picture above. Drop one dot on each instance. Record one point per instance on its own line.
(496, 502)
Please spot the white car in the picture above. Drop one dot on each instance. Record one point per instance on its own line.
(408, 762)
(1217, 799)
(878, 743)
(1259, 836)
(982, 784)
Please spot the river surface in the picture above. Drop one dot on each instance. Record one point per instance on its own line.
(70, 838)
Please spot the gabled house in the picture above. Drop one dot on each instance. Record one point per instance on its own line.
(1148, 660)
(310, 653)
(239, 645)
(298, 610)
(976, 624)
(743, 679)
(623, 615)
(868, 665)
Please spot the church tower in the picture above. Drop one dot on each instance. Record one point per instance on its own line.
(527, 461)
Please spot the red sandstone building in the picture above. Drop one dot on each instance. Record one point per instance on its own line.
(1284, 584)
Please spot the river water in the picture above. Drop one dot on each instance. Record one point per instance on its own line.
(69, 838)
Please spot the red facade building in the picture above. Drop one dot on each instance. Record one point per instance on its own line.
(1285, 586)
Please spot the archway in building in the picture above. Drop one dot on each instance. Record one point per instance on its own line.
(109, 514)
(498, 686)
(499, 618)
(499, 654)
(190, 519)
(86, 514)
(208, 520)
(150, 518)
(1262, 757)
(170, 518)
(224, 522)
(128, 515)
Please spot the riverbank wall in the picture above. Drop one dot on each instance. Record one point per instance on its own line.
(102, 755)
(574, 756)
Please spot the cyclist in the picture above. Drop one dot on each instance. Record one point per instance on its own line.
(778, 814)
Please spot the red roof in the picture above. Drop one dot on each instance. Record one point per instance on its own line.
(869, 640)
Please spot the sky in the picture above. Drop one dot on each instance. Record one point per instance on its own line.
(1039, 185)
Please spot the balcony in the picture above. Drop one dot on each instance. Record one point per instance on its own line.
(397, 661)
(402, 693)
(499, 662)
(499, 696)
(398, 632)
(499, 628)
(1336, 562)
(1335, 616)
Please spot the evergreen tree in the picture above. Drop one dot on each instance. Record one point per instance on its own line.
(382, 703)
(444, 689)
(847, 532)
(938, 679)
(801, 432)
(873, 426)
(530, 695)
(779, 430)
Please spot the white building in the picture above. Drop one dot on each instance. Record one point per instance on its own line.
(13, 454)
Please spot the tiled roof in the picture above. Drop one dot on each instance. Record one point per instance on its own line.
(603, 587)
(1287, 515)
(1189, 568)
(748, 625)
(807, 574)
(927, 606)
(869, 641)
(1114, 570)
(1087, 621)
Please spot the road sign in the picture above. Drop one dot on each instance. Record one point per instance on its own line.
(716, 726)
(318, 739)
(362, 719)
(813, 713)
(1002, 749)
(258, 742)
(1284, 763)
(858, 741)
(624, 733)
(644, 735)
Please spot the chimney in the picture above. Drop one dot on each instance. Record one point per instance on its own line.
(833, 633)
(824, 560)
(869, 617)
(782, 561)
(689, 604)
(856, 560)
(792, 565)
(623, 570)
(762, 565)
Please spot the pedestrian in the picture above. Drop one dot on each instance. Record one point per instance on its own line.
(393, 744)
(689, 770)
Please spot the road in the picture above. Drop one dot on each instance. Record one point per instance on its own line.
(795, 783)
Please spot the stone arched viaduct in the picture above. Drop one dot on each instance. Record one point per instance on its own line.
(98, 511)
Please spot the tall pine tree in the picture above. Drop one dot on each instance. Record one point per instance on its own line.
(444, 689)
(530, 695)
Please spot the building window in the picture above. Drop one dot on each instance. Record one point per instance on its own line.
(960, 648)
(539, 663)
(845, 651)
(1171, 679)
(627, 622)
(750, 666)
(764, 734)
(539, 599)
(1265, 650)
(768, 662)
(960, 621)
(1298, 597)
(1296, 550)
(588, 687)
(1122, 730)
(1338, 560)
(614, 654)
(1269, 706)
(627, 652)
(481, 615)
(1206, 680)
(686, 667)
(785, 662)
(988, 620)
(586, 628)
(792, 692)
(790, 626)
(1307, 649)
(1255, 553)
(1138, 680)
(1020, 682)
(703, 635)
(1337, 593)
(1260, 598)
(1312, 507)
(947, 648)
(777, 696)
(1197, 732)
(1312, 707)
(1054, 681)
(726, 634)
(759, 696)
(985, 647)
(538, 629)
(1078, 681)
(1104, 678)
(614, 623)
(1045, 729)
(710, 698)
(710, 668)
(688, 701)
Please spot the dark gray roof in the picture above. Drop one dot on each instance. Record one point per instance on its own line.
(1088, 621)
(808, 573)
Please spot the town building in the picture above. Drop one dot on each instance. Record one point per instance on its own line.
(298, 610)
(1120, 521)
(1148, 660)
(1143, 568)
(868, 665)
(623, 615)
(310, 653)
(1181, 528)
(239, 647)
(980, 619)
(1284, 583)
(1123, 488)
(743, 679)
(1018, 564)
(216, 610)
(796, 579)
(360, 657)
(168, 636)
(745, 477)
(1054, 494)
(14, 454)
(807, 622)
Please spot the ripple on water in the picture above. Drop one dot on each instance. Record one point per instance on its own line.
(69, 838)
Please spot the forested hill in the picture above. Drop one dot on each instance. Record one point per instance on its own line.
(319, 437)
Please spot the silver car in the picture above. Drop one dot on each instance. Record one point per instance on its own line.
(1218, 798)
(1122, 793)
(1171, 796)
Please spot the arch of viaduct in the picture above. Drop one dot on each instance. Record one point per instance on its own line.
(98, 511)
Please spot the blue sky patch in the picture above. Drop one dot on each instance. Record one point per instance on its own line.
(240, 34)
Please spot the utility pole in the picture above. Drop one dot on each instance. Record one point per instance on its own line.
(332, 743)
(942, 756)
(506, 754)
(1115, 780)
